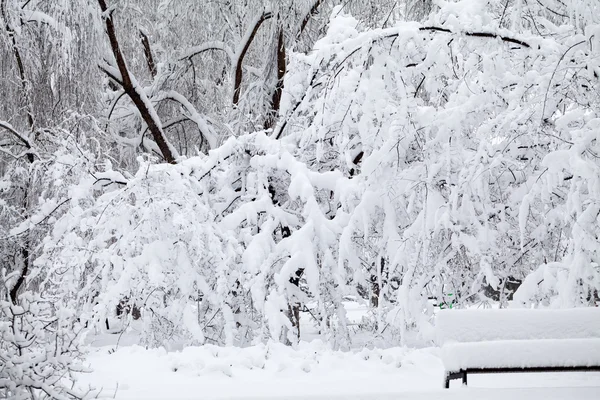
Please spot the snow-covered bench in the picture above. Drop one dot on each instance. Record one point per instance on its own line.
(518, 340)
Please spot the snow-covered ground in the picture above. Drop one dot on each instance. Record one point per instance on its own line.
(309, 371)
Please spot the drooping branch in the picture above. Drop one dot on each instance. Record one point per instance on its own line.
(243, 49)
(192, 115)
(204, 47)
(393, 34)
(131, 87)
(114, 104)
(282, 124)
(22, 138)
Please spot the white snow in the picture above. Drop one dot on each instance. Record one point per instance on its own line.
(522, 353)
(517, 324)
(310, 371)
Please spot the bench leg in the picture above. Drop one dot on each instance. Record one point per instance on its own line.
(464, 378)
(453, 375)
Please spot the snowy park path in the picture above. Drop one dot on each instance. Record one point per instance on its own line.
(312, 372)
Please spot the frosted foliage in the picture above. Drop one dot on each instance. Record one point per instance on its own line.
(473, 150)
(39, 350)
(40, 336)
(199, 247)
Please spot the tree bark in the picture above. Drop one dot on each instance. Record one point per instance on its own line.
(281, 70)
(148, 54)
(14, 292)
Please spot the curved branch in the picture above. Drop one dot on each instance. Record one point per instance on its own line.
(282, 124)
(239, 57)
(22, 138)
(15, 156)
(175, 121)
(114, 104)
(393, 34)
(552, 76)
(208, 46)
(193, 115)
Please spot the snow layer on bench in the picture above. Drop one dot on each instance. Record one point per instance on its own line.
(522, 354)
(486, 325)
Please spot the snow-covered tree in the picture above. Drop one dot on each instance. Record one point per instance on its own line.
(228, 167)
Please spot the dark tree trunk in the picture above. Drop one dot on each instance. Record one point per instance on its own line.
(281, 69)
(14, 291)
(294, 315)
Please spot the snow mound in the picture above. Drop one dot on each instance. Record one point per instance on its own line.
(517, 324)
(273, 356)
(522, 354)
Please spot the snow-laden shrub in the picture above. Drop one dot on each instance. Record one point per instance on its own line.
(471, 141)
(39, 332)
(39, 350)
(569, 191)
(220, 249)
(425, 160)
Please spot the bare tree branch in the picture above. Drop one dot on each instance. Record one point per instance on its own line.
(193, 115)
(22, 138)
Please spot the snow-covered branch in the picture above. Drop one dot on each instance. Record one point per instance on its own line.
(207, 46)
